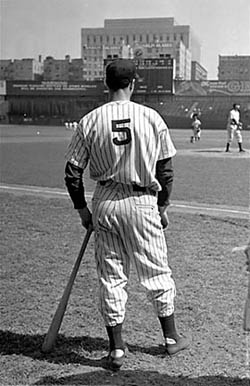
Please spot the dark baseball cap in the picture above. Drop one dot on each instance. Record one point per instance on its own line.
(119, 73)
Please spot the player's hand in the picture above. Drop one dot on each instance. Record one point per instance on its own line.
(86, 217)
(164, 216)
(247, 252)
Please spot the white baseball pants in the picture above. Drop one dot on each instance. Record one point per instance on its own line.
(128, 229)
(231, 131)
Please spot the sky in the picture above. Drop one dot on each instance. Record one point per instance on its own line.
(53, 27)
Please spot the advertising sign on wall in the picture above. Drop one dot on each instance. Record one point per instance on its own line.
(53, 88)
(212, 87)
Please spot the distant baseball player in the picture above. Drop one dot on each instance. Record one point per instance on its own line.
(129, 151)
(74, 125)
(196, 128)
(234, 127)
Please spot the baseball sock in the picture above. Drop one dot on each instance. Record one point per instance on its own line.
(240, 146)
(115, 337)
(228, 145)
(168, 328)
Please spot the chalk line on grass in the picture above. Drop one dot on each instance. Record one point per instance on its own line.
(181, 206)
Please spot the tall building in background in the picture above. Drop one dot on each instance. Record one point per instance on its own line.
(235, 67)
(5, 69)
(63, 69)
(21, 69)
(198, 72)
(144, 38)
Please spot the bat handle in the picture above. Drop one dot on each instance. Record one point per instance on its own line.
(247, 252)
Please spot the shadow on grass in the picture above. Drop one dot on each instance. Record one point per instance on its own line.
(66, 350)
(209, 151)
(78, 350)
(140, 378)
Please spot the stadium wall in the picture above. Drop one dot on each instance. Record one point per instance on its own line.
(54, 102)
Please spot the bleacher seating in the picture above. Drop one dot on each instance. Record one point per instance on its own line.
(213, 111)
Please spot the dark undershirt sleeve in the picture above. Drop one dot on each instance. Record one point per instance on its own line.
(165, 176)
(74, 183)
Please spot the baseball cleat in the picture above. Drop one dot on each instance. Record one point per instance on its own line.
(114, 363)
(178, 345)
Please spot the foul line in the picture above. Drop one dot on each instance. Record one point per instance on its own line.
(175, 205)
(33, 189)
(213, 208)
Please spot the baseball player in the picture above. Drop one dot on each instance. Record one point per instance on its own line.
(234, 127)
(129, 151)
(74, 125)
(196, 128)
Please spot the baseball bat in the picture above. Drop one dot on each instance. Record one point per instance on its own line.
(246, 316)
(51, 335)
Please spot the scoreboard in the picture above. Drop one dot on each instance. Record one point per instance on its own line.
(156, 75)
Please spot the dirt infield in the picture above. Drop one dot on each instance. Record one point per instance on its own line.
(214, 153)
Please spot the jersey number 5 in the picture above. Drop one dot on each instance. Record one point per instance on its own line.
(124, 136)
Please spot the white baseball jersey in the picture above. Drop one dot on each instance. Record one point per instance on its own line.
(196, 125)
(102, 134)
(233, 115)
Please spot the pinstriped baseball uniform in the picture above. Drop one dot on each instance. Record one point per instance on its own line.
(122, 141)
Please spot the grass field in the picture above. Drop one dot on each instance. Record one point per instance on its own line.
(41, 237)
(203, 172)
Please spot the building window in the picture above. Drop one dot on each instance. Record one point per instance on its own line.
(147, 38)
(127, 39)
(174, 37)
(114, 41)
(140, 38)
(167, 38)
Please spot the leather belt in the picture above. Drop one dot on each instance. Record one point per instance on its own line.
(103, 182)
(136, 188)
